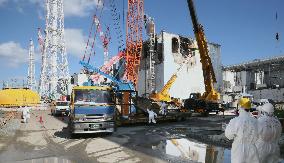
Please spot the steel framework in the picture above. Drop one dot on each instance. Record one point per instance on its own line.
(43, 84)
(54, 72)
(150, 28)
(134, 40)
(31, 69)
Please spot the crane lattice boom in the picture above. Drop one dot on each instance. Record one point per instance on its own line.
(134, 40)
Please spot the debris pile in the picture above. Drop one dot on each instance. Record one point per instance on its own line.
(9, 123)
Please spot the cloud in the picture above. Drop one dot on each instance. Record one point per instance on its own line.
(12, 54)
(2, 2)
(75, 41)
(80, 7)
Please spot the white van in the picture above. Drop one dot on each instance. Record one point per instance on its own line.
(60, 108)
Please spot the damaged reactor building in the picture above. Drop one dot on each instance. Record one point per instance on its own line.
(176, 54)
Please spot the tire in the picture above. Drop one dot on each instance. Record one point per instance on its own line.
(73, 135)
(205, 114)
(178, 118)
(115, 128)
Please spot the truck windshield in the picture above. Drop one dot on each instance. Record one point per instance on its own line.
(62, 103)
(96, 96)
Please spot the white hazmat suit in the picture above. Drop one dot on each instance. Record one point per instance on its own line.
(26, 114)
(163, 109)
(243, 130)
(152, 116)
(269, 129)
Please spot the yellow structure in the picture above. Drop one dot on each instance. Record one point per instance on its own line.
(164, 95)
(10, 97)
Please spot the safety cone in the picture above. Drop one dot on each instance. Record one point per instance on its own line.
(40, 119)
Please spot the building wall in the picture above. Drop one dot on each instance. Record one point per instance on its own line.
(215, 55)
(190, 77)
(262, 81)
(143, 84)
(275, 94)
(228, 81)
(79, 79)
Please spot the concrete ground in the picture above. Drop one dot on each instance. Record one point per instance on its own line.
(167, 142)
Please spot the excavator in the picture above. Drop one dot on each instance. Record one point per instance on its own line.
(209, 100)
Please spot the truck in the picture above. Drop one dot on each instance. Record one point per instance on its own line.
(130, 109)
(92, 110)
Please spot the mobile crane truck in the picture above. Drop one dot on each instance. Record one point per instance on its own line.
(209, 100)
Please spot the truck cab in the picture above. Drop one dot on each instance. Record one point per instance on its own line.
(92, 110)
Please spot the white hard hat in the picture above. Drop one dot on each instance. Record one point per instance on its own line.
(268, 108)
(259, 108)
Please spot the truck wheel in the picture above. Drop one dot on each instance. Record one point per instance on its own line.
(114, 128)
(205, 114)
(73, 135)
(178, 118)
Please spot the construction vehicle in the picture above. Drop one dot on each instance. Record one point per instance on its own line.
(128, 110)
(60, 108)
(124, 92)
(164, 95)
(134, 40)
(92, 110)
(209, 100)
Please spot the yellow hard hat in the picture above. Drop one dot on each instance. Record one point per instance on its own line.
(245, 103)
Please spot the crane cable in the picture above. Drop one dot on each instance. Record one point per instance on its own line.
(90, 32)
(95, 34)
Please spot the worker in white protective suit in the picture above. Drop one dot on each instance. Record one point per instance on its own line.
(163, 108)
(243, 130)
(152, 116)
(269, 132)
(259, 110)
(26, 114)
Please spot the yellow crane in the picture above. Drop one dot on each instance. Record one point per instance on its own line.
(209, 100)
(164, 94)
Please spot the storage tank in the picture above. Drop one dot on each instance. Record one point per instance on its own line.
(15, 97)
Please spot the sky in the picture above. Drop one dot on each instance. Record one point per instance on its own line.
(245, 29)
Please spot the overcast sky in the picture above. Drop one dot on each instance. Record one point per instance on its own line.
(245, 29)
